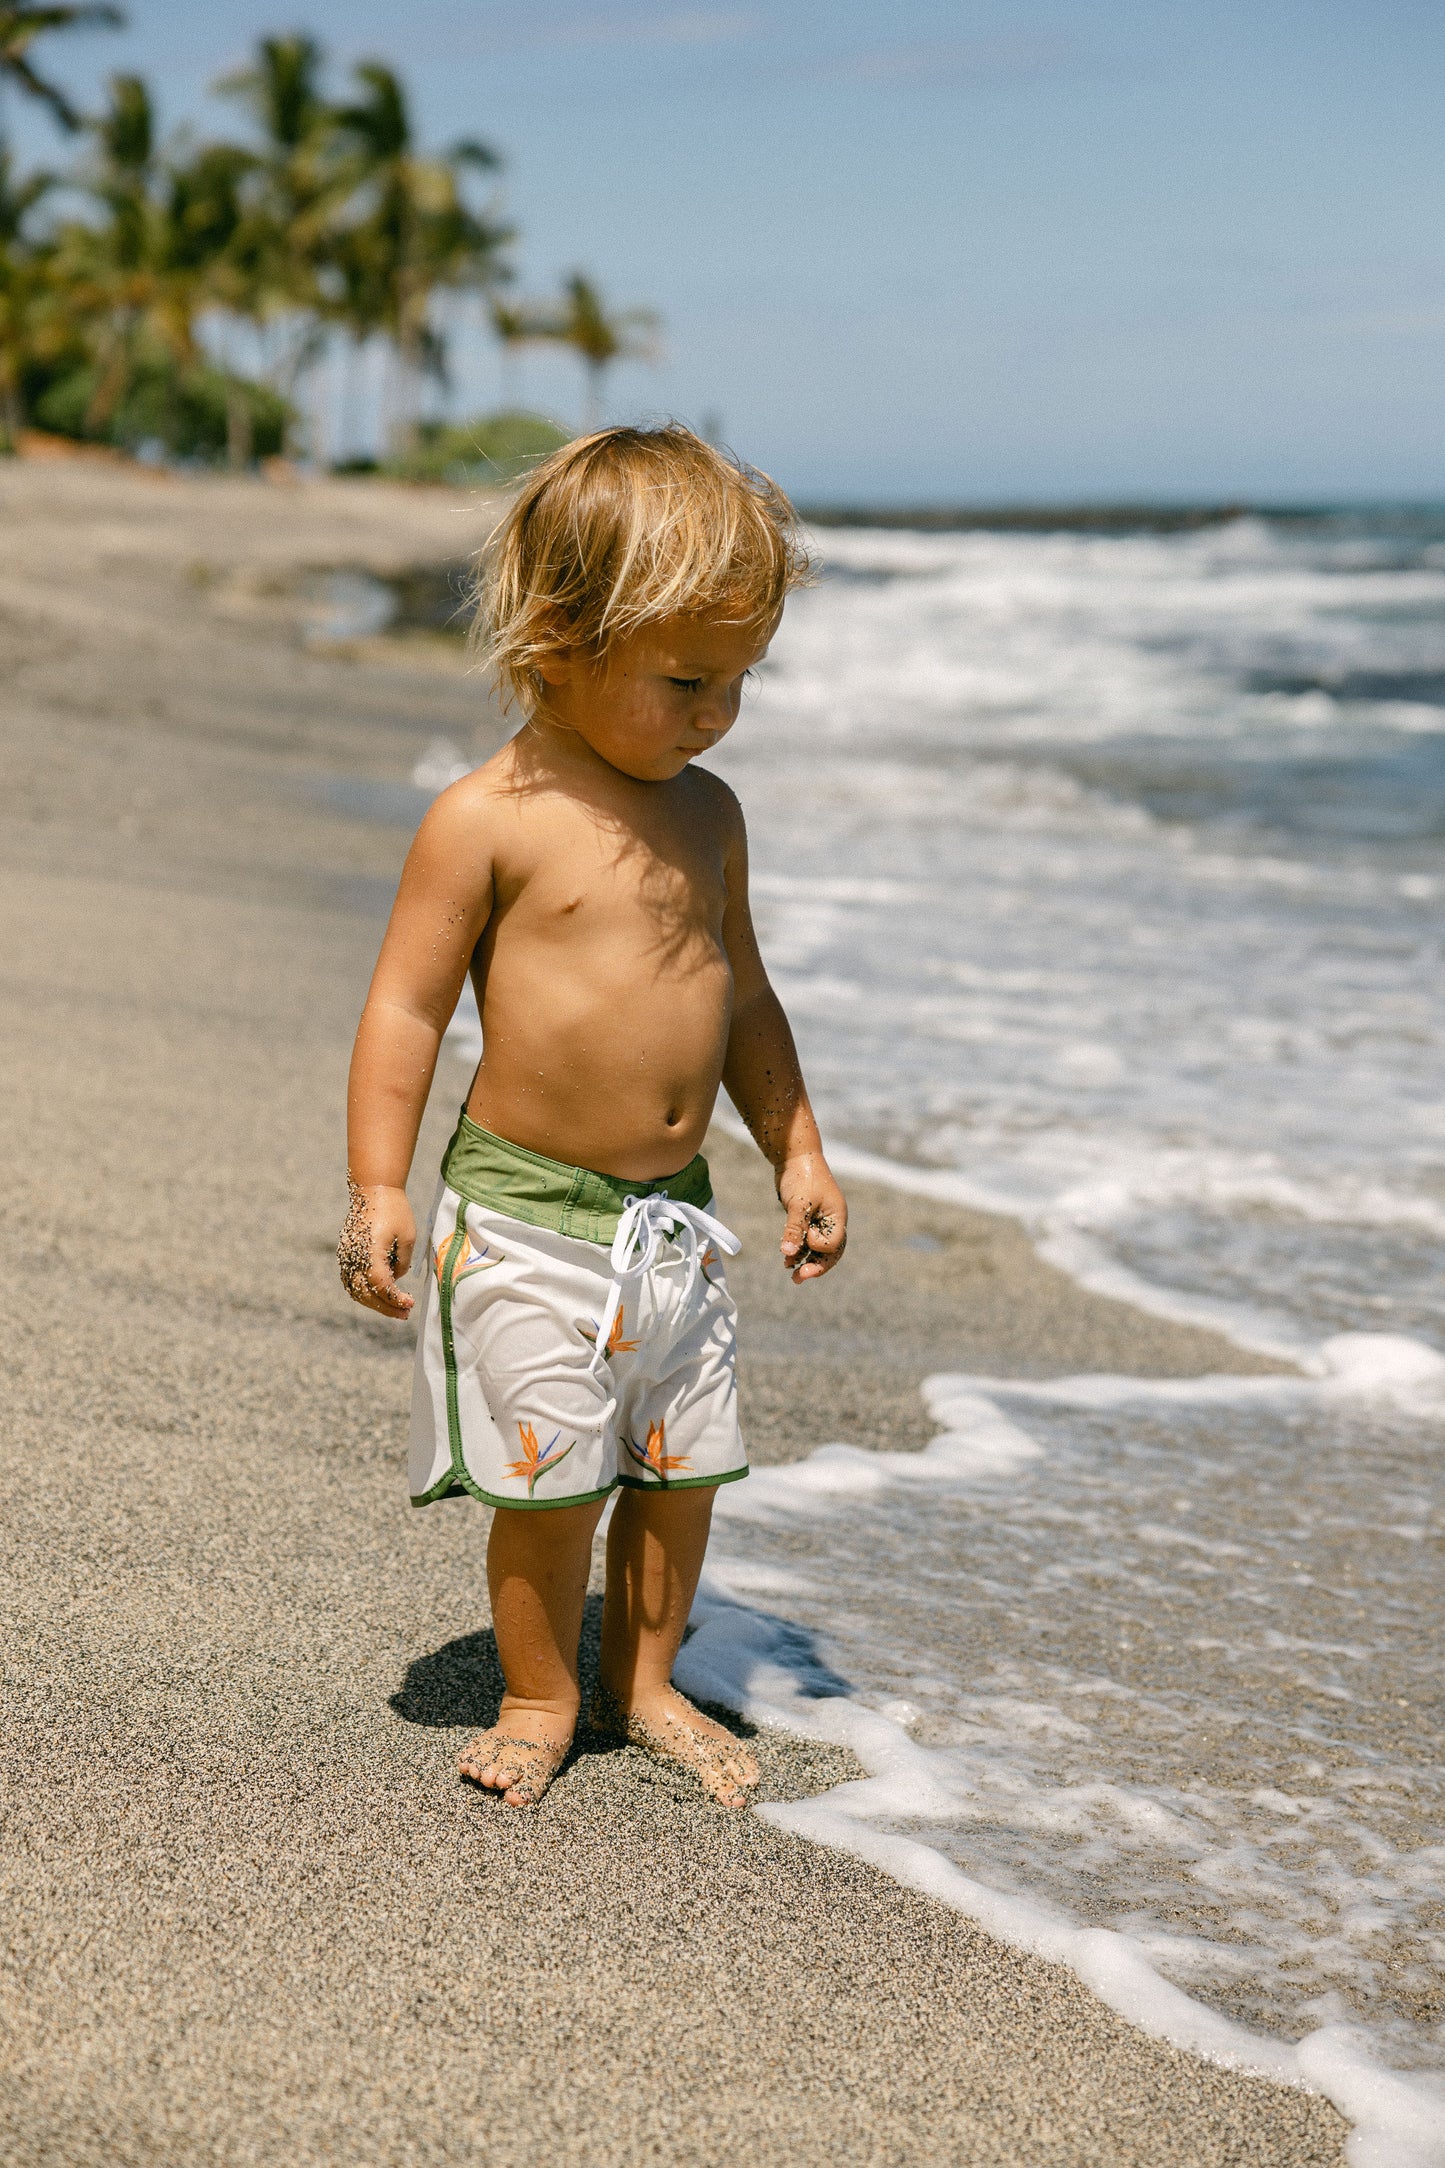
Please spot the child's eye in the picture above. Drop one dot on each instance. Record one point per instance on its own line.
(688, 685)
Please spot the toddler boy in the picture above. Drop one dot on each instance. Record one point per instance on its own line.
(576, 1335)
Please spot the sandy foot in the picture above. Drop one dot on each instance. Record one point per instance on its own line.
(675, 1732)
(520, 1769)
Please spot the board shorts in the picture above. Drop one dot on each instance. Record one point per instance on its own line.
(576, 1332)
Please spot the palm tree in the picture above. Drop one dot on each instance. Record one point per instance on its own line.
(516, 325)
(107, 268)
(20, 26)
(23, 288)
(412, 232)
(278, 261)
(208, 261)
(513, 331)
(140, 278)
(356, 302)
(282, 87)
(584, 324)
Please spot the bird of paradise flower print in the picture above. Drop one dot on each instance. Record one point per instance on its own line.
(616, 1345)
(471, 1258)
(536, 1460)
(653, 1458)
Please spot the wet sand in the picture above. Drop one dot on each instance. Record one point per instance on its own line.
(253, 1915)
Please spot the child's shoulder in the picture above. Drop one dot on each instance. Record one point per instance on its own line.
(487, 803)
(474, 795)
(462, 826)
(713, 799)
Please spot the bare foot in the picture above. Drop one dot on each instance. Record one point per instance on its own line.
(518, 1757)
(669, 1727)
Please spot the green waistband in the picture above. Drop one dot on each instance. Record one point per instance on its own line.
(575, 1201)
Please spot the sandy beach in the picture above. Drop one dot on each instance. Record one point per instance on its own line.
(253, 1916)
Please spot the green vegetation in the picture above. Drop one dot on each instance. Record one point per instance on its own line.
(581, 321)
(169, 296)
(20, 27)
(188, 413)
(494, 448)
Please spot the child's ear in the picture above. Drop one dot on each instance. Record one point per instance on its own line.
(558, 667)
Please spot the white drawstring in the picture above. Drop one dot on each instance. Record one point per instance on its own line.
(646, 1223)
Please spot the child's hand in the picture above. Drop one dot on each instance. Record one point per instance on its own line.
(375, 1248)
(817, 1230)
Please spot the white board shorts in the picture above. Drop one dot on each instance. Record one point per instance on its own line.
(510, 1403)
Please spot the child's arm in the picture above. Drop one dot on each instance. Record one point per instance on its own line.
(765, 1084)
(442, 905)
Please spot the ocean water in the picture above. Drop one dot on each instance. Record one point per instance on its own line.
(1111, 870)
(1104, 880)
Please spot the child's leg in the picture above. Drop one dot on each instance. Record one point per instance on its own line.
(537, 1566)
(655, 1550)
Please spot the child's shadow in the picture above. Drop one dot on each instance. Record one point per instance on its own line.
(461, 1682)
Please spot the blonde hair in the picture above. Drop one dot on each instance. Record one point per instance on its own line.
(619, 529)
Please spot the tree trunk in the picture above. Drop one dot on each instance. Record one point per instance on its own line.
(12, 414)
(172, 410)
(239, 431)
(281, 370)
(592, 411)
(340, 446)
(402, 433)
(111, 380)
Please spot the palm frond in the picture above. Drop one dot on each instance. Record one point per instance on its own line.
(21, 25)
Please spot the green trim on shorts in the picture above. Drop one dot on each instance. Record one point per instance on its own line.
(462, 1486)
(522, 1185)
(686, 1482)
(505, 1177)
(456, 1243)
(457, 1482)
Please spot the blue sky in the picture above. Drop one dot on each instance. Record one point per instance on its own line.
(951, 252)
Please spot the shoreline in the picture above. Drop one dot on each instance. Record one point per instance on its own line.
(256, 1916)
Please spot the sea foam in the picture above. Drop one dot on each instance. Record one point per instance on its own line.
(1081, 1813)
(1101, 877)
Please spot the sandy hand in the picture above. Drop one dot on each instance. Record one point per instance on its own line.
(817, 1231)
(376, 1247)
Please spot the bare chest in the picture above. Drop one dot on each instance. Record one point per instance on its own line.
(587, 883)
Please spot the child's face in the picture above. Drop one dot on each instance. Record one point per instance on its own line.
(660, 696)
